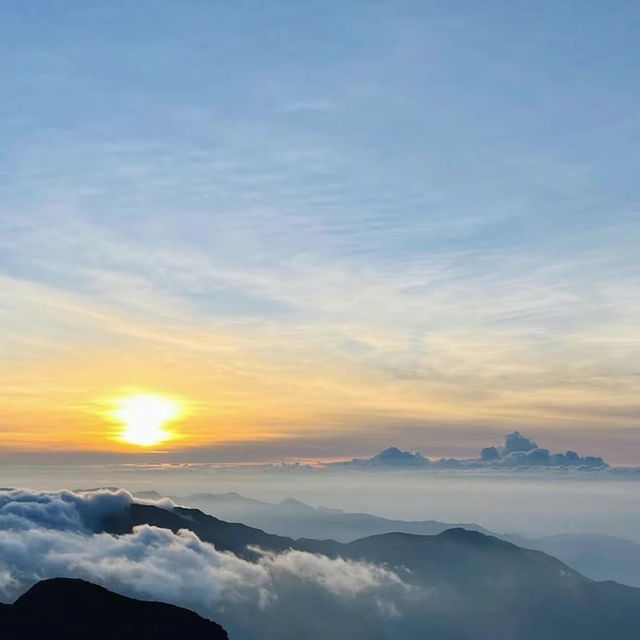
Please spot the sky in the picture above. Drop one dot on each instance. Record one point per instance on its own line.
(320, 228)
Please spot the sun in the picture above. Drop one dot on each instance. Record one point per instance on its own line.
(144, 418)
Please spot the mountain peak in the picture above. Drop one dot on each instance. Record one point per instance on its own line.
(292, 503)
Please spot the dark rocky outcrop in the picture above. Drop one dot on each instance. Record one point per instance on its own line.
(69, 609)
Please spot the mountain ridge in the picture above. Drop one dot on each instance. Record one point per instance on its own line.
(472, 578)
(600, 557)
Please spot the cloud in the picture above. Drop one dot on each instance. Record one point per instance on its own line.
(338, 576)
(48, 534)
(392, 457)
(517, 451)
(517, 442)
(64, 510)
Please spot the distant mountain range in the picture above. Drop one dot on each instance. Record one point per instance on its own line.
(298, 520)
(479, 586)
(69, 609)
(596, 556)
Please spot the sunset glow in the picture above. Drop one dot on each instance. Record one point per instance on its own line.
(318, 247)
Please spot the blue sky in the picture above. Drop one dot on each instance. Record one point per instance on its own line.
(362, 220)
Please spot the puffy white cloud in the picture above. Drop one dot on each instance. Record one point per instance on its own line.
(342, 577)
(66, 510)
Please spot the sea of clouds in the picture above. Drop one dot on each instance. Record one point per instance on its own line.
(282, 595)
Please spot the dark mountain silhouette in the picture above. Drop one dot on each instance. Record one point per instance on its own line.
(480, 586)
(69, 609)
(226, 536)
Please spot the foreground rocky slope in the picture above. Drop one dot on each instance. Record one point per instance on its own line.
(68, 609)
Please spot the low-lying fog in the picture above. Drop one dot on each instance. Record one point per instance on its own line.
(527, 503)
